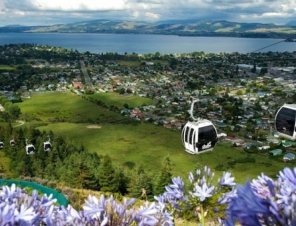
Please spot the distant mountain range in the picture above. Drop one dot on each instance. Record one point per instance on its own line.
(173, 27)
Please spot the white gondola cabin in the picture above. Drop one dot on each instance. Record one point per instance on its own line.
(285, 121)
(1, 145)
(47, 145)
(12, 142)
(30, 149)
(199, 135)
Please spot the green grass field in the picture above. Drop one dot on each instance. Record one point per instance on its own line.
(119, 100)
(143, 143)
(148, 145)
(65, 106)
(6, 68)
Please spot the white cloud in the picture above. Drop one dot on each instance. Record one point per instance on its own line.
(65, 11)
(78, 5)
(152, 16)
(135, 14)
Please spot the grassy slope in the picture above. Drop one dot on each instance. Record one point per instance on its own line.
(148, 145)
(119, 100)
(145, 144)
(46, 106)
(6, 67)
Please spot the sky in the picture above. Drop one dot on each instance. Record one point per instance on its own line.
(50, 12)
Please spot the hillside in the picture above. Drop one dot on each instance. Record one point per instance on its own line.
(186, 28)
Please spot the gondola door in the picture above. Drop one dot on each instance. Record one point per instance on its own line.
(190, 139)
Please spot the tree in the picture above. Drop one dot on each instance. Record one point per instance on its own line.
(253, 70)
(141, 182)
(107, 177)
(123, 180)
(87, 178)
(121, 91)
(239, 92)
(163, 178)
(263, 70)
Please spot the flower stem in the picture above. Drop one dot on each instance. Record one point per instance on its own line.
(202, 215)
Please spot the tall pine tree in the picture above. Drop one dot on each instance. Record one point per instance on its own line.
(163, 178)
(107, 176)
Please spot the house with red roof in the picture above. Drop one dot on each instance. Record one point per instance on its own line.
(77, 85)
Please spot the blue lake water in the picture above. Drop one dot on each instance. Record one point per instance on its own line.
(142, 43)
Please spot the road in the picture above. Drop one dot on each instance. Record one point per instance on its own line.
(87, 79)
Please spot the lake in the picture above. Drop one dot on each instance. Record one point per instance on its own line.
(143, 43)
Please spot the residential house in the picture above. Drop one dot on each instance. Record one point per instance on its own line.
(136, 113)
(288, 157)
(77, 85)
(276, 152)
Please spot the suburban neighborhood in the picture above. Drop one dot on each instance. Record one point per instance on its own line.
(239, 93)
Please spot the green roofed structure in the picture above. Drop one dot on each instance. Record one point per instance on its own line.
(61, 199)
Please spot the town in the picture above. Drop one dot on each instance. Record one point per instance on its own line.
(239, 93)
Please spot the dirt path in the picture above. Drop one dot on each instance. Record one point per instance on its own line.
(20, 123)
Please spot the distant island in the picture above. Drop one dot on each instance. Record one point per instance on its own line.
(181, 28)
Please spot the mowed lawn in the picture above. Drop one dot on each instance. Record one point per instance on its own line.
(119, 100)
(141, 144)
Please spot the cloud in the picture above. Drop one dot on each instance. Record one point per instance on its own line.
(152, 16)
(67, 5)
(65, 11)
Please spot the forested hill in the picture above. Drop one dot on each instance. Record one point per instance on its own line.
(186, 28)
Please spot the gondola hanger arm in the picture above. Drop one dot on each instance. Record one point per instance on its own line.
(191, 110)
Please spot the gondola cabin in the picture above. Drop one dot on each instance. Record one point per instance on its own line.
(199, 136)
(1, 145)
(12, 142)
(285, 120)
(30, 149)
(47, 146)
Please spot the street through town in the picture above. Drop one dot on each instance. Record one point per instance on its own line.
(87, 79)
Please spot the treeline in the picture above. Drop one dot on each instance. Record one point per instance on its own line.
(73, 166)
(11, 111)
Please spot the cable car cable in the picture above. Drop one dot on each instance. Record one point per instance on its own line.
(271, 45)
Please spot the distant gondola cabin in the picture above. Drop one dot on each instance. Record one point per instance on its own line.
(47, 146)
(30, 149)
(12, 142)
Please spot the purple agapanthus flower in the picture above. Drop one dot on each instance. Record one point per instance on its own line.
(227, 197)
(202, 192)
(263, 201)
(288, 175)
(227, 180)
(248, 208)
(263, 186)
(175, 191)
(7, 214)
(94, 208)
